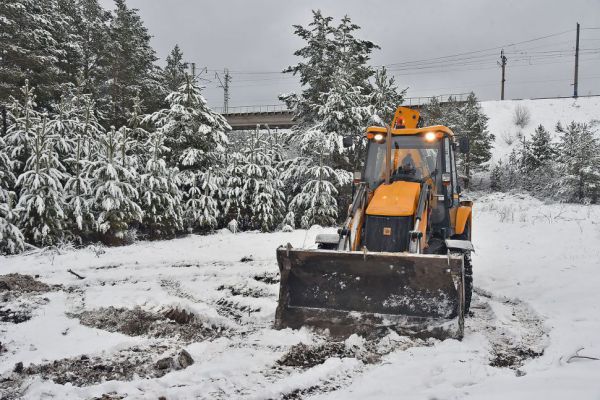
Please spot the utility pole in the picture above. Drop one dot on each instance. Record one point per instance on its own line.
(502, 63)
(576, 80)
(225, 85)
(194, 70)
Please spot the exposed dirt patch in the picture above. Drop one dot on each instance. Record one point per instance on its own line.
(24, 284)
(515, 331)
(124, 366)
(305, 356)
(243, 290)
(234, 310)
(14, 316)
(173, 323)
(269, 278)
(512, 357)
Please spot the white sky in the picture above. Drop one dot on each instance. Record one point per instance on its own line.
(255, 40)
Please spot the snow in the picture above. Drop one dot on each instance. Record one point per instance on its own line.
(546, 112)
(536, 286)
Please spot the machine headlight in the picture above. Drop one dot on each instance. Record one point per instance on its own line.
(379, 137)
(430, 136)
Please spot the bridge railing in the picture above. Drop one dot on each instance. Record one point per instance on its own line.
(442, 98)
(277, 108)
(268, 108)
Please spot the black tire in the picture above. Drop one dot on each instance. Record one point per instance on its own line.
(466, 235)
(468, 281)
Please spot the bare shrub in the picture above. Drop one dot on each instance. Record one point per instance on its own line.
(522, 117)
(508, 138)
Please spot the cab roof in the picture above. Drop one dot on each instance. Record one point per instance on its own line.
(410, 131)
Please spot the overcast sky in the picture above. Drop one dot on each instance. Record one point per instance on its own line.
(255, 40)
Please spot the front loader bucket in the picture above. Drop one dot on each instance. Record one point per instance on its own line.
(370, 293)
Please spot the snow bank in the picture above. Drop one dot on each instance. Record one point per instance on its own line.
(546, 112)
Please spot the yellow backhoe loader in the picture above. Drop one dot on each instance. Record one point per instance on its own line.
(402, 259)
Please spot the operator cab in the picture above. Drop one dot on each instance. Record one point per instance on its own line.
(421, 155)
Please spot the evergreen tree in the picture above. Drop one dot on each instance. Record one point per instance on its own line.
(261, 192)
(473, 125)
(342, 111)
(21, 132)
(78, 194)
(11, 238)
(160, 198)
(542, 150)
(195, 135)
(328, 51)
(201, 207)
(29, 30)
(130, 63)
(385, 97)
(314, 182)
(91, 23)
(233, 179)
(579, 163)
(174, 72)
(113, 195)
(41, 192)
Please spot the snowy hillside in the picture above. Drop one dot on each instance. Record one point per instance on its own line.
(533, 332)
(546, 112)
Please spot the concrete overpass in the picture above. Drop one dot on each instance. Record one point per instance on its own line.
(278, 116)
(247, 117)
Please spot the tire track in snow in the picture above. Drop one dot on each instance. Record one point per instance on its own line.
(515, 331)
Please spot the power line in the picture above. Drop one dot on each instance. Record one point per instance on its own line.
(484, 50)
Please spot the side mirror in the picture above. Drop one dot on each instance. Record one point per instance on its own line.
(463, 144)
(347, 141)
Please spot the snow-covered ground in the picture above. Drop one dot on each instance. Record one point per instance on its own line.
(533, 332)
(546, 112)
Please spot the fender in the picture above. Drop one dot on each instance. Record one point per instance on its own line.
(463, 216)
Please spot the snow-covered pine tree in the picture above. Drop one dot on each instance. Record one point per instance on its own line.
(385, 97)
(91, 24)
(78, 193)
(328, 50)
(196, 139)
(20, 133)
(232, 201)
(201, 207)
(262, 196)
(314, 182)
(160, 198)
(137, 136)
(31, 50)
(11, 238)
(114, 198)
(195, 135)
(41, 198)
(473, 125)
(130, 61)
(62, 126)
(542, 149)
(174, 72)
(579, 163)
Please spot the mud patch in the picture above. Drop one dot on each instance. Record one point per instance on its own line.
(23, 284)
(245, 291)
(515, 331)
(123, 366)
(234, 310)
(14, 316)
(512, 357)
(269, 278)
(305, 356)
(176, 324)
